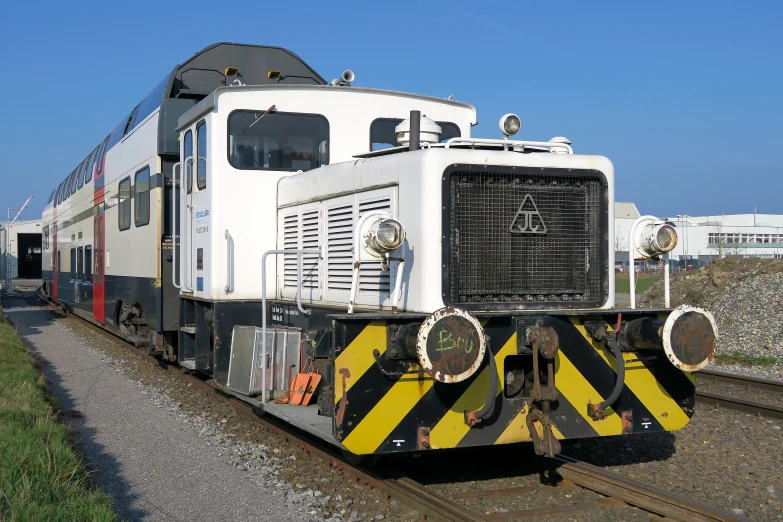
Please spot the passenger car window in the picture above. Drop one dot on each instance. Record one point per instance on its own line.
(124, 204)
(141, 197)
(260, 140)
(382, 135)
(100, 158)
(88, 263)
(201, 150)
(91, 165)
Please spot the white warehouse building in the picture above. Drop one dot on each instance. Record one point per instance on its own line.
(708, 237)
(20, 250)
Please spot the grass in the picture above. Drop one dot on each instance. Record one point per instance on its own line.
(643, 283)
(736, 357)
(41, 476)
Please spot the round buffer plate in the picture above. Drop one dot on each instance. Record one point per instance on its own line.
(451, 345)
(690, 337)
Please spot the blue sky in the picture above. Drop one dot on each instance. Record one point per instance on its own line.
(684, 97)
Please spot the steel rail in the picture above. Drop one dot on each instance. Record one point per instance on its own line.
(733, 403)
(735, 379)
(622, 491)
(652, 498)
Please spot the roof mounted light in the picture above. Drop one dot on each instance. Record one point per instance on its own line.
(509, 124)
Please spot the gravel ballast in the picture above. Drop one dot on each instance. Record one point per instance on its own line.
(746, 298)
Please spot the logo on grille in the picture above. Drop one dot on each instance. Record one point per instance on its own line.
(528, 219)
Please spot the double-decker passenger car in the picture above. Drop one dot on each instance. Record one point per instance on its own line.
(353, 261)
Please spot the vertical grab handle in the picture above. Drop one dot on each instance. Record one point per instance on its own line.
(174, 214)
(229, 263)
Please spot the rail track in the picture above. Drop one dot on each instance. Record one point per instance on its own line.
(741, 382)
(610, 490)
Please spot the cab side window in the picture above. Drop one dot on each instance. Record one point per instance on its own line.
(201, 150)
(187, 161)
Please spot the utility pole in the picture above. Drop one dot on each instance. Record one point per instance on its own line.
(8, 242)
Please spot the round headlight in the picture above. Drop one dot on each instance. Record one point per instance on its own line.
(666, 238)
(389, 234)
(654, 239)
(510, 124)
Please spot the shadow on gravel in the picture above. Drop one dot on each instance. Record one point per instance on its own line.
(515, 460)
(102, 465)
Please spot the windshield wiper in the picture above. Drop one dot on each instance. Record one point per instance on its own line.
(270, 109)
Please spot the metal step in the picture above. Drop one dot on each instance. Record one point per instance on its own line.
(189, 364)
(188, 329)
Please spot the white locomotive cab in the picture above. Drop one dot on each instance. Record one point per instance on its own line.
(287, 168)
(255, 137)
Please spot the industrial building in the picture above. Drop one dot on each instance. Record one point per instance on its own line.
(20, 250)
(706, 238)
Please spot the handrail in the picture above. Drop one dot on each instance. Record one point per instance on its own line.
(299, 254)
(486, 141)
(230, 263)
(174, 214)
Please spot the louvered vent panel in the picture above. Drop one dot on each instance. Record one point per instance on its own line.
(290, 242)
(339, 233)
(310, 236)
(371, 277)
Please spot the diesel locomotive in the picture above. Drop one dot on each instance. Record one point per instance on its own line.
(356, 263)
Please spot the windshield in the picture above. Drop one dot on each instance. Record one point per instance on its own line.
(382, 135)
(263, 140)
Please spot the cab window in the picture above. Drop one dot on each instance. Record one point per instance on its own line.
(201, 150)
(382, 135)
(187, 161)
(262, 140)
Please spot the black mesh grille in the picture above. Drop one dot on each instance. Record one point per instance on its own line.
(525, 239)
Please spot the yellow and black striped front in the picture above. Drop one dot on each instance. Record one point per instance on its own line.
(377, 411)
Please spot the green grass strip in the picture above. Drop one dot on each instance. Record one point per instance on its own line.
(643, 283)
(737, 357)
(41, 476)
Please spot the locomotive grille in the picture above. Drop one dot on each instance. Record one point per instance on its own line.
(525, 238)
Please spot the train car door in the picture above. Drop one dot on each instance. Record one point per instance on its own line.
(55, 264)
(99, 270)
(99, 237)
(186, 216)
(200, 232)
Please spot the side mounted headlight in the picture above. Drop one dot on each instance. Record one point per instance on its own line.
(385, 235)
(655, 239)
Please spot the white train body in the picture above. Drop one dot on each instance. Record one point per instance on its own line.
(241, 214)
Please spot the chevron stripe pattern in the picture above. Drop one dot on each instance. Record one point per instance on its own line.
(378, 411)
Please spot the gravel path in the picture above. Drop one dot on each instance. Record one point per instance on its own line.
(280, 473)
(148, 458)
